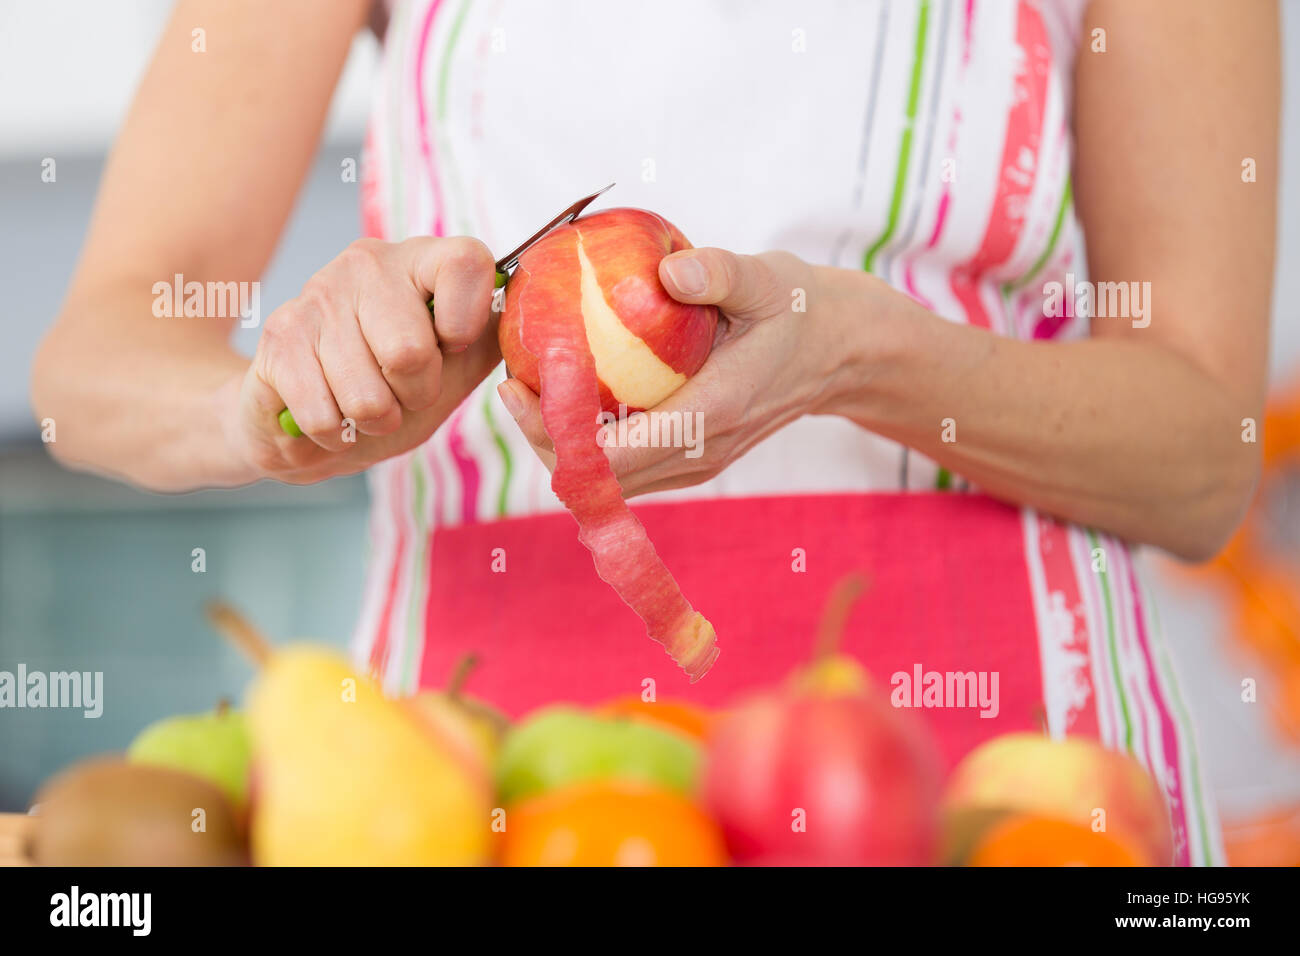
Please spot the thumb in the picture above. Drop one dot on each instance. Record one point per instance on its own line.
(744, 287)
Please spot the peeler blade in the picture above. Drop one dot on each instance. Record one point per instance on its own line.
(511, 259)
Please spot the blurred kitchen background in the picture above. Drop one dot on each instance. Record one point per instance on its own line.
(95, 576)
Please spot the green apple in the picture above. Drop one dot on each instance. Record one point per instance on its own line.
(215, 746)
(560, 745)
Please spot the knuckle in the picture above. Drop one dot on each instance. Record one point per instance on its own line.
(757, 284)
(407, 354)
(363, 255)
(727, 265)
(782, 272)
(369, 406)
(421, 395)
(468, 253)
(313, 301)
(456, 329)
(271, 338)
(769, 289)
(779, 259)
(279, 325)
(466, 259)
(318, 424)
(278, 345)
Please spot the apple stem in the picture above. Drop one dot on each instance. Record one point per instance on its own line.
(464, 667)
(836, 614)
(236, 628)
(223, 706)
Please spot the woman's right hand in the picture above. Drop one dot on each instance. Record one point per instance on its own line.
(359, 361)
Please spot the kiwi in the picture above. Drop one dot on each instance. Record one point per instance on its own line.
(107, 812)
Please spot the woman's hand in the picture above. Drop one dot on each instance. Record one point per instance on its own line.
(365, 370)
(770, 364)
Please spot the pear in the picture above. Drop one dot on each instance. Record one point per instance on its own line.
(214, 746)
(348, 777)
(107, 812)
(830, 673)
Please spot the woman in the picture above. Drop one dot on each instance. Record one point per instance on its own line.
(929, 169)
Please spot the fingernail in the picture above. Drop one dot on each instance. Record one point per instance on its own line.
(510, 400)
(689, 275)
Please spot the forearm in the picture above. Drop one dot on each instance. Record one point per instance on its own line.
(1121, 435)
(139, 397)
(199, 182)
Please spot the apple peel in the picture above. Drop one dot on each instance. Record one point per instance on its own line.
(623, 553)
(585, 482)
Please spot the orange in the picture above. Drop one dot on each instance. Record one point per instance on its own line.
(611, 824)
(1270, 839)
(1026, 840)
(675, 715)
(1287, 707)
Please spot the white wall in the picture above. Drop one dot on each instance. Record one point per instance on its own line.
(68, 69)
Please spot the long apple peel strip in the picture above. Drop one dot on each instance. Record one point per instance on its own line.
(583, 479)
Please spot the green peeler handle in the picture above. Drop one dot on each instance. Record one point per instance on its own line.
(290, 427)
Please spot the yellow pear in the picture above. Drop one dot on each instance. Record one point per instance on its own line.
(344, 776)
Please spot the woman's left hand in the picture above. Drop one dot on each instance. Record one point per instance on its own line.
(774, 359)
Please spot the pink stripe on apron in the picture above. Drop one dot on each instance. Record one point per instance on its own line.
(1017, 169)
(1059, 574)
(1168, 731)
(379, 649)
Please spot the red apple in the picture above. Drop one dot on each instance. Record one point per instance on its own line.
(823, 781)
(587, 326)
(602, 272)
(825, 771)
